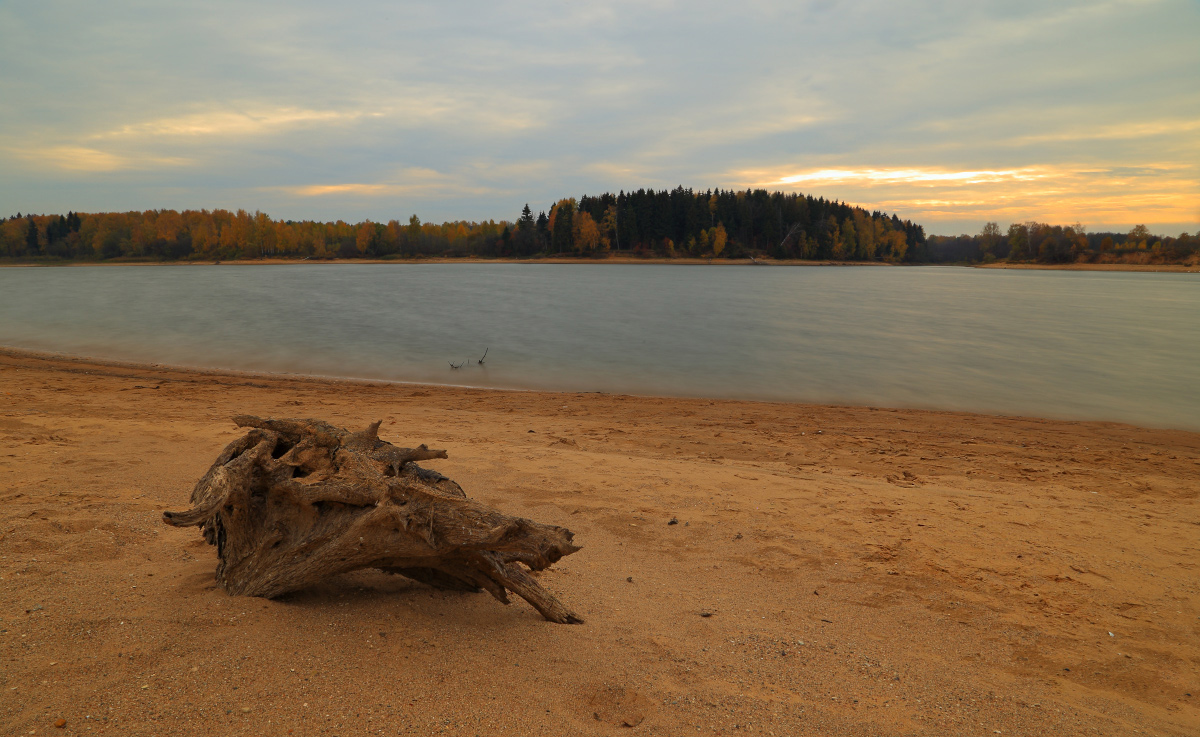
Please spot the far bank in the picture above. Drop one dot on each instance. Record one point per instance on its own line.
(1185, 268)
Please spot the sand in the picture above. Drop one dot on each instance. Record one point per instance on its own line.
(867, 571)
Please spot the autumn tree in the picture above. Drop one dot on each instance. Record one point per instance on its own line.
(608, 228)
(897, 245)
(718, 237)
(1018, 242)
(989, 238)
(1138, 237)
(364, 238)
(587, 233)
(849, 239)
(263, 238)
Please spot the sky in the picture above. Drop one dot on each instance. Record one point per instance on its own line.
(948, 113)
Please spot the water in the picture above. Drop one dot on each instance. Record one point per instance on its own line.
(1076, 345)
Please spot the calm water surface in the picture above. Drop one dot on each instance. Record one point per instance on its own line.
(1084, 345)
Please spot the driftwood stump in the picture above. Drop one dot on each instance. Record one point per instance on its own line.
(293, 502)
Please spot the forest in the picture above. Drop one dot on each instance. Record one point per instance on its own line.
(1062, 244)
(668, 223)
(674, 223)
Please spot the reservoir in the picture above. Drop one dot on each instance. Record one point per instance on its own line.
(1062, 344)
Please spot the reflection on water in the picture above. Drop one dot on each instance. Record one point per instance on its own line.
(1087, 345)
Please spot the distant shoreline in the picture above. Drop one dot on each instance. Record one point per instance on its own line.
(1176, 268)
(450, 260)
(623, 260)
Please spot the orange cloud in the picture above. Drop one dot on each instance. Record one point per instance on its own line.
(908, 176)
(409, 181)
(91, 160)
(1162, 193)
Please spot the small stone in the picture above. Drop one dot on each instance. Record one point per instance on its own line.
(673, 521)
(61, 723)
(705, 613)
(629, 579)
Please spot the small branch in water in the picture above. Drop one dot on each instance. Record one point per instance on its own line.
(480, 361)
(460, 365)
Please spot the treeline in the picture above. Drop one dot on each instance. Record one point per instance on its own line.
(1060, 244)
(734, 224)
(675, 223)
(221, 234)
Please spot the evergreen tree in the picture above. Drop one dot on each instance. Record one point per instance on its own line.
(543, 230)
(31, 237)
(562, 229)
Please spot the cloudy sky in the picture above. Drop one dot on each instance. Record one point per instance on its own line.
(950, 113)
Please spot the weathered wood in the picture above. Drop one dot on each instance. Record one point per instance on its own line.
(293, 502)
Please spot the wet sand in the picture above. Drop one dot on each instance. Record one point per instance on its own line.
(867, 571)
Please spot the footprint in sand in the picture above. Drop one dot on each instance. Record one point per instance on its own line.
(909, 479)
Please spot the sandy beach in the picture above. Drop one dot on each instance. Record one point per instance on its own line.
(865, 571)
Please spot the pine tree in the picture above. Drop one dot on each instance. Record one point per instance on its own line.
(562, 225)
(31, 237)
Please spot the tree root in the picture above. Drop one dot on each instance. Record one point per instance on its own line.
(293, 502)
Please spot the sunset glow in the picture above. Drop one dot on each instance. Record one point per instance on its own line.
(1100, 197)
(906, 176)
